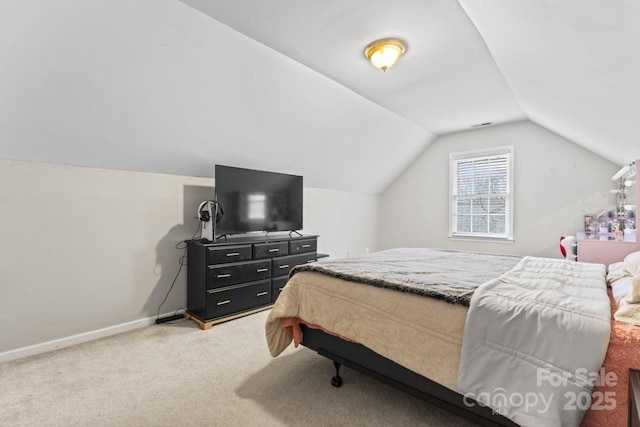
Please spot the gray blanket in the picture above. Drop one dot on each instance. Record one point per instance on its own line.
(535, 339)
(451, 276)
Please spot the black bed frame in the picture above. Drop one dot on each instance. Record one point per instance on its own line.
(360, 358)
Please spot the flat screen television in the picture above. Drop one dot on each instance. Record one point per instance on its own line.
(255, 200)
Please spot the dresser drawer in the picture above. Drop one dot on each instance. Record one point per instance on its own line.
(301, 246)
(229, 274)
(224, 254)
(277, 284)
(237, 298)
(270, 250)
(283, 265)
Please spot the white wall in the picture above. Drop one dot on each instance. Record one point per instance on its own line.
(556, 183)
(346, 222)
(84, 249)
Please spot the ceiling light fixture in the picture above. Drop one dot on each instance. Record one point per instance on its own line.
(384, 53)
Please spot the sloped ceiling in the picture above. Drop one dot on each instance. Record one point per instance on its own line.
(570, 66)
(574, 67)
(156, 86)
(447, 81)
(175, 87)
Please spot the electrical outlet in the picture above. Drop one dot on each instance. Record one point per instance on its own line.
(366, 250)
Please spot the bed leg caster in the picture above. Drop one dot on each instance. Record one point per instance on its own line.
(337, 380)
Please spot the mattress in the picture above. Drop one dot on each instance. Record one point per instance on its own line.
(420, 333)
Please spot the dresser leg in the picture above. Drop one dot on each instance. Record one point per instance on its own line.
(206, 326)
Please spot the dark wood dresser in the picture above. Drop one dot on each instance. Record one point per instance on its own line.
(242, 275)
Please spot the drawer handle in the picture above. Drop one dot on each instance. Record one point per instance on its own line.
(274, 250)
(222, 276)
(223, 302)
(284, 266)
(306, 246)
(280, 289)
(260, 270)
(310, 261)
(233, 254)
(259, 294)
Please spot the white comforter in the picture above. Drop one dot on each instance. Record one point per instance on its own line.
(534, 341)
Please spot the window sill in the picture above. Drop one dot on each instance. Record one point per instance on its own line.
(484, 239)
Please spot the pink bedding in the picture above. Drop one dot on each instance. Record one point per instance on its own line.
(623, 353)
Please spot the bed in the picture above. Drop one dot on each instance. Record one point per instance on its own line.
(623, 352)
(412, 337)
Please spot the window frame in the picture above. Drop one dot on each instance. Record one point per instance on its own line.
(454, 158)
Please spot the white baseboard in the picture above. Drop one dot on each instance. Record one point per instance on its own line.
(76, 339)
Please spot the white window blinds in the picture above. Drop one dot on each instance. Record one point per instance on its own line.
(481, 196)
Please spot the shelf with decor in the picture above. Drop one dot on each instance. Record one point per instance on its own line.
(613, 234)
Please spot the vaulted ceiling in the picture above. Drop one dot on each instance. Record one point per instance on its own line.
(175, 87)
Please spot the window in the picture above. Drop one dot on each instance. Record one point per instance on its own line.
(481, 194)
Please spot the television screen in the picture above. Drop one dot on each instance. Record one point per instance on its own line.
(255, 200)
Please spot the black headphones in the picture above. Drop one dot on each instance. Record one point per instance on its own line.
(203, 214)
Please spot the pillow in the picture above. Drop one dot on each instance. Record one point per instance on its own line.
(622, 289)
(632, 263)
(626, 292)
(615, 272)
(634, 298)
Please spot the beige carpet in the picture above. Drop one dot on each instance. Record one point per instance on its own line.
(176, 374)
